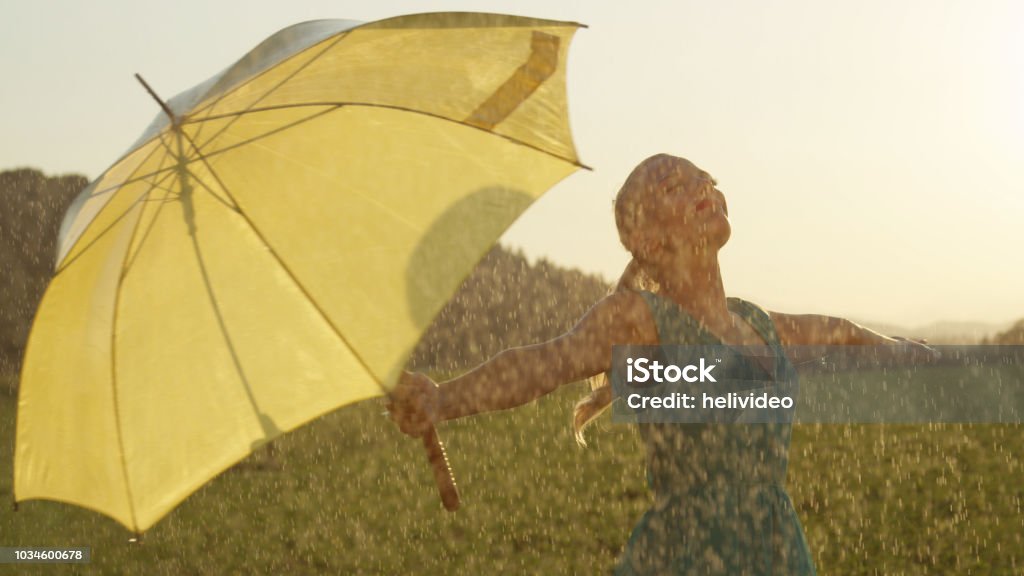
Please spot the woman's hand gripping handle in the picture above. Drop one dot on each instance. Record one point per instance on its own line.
(415, 406)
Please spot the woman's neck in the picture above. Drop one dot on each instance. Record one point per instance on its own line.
(694, 282)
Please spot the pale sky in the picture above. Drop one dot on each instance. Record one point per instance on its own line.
(871, 151)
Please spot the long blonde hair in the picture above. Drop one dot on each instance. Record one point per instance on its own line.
(600, 397)
(628, 217)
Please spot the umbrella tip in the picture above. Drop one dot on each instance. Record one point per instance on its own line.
(163, 105)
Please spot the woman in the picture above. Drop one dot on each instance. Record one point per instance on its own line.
(720, 505)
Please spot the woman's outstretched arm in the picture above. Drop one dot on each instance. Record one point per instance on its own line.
(818, 330)
(518, 375)
(798, 332)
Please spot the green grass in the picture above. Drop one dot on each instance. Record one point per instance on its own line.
(348, 494)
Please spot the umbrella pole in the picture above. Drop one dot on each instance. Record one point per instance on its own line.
(442, 471)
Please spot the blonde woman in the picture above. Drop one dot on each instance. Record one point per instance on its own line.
(720, 505)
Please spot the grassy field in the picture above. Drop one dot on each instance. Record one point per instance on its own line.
(348, 494)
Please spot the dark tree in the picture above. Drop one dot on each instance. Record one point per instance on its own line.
(31, 211)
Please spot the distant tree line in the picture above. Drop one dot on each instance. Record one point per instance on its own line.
(1013, 335)
(31, 210)
(506, 301)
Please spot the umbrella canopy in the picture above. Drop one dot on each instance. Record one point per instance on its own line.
(275, 244)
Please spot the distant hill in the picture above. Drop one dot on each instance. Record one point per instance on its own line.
(505, 302)
(951, 332)
(941, 332)
(1013, 335)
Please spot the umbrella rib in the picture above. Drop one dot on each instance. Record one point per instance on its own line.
(159, 138)
(170, 169)
(142, 198)
(249, 80)
(332, 106)
(281, 262)
(145, 235)
(221, 97)
(341, 36)
(68, 262)
(134, 179)
(186, 199)
(97, 193)
(216, 196)
(269, 91)
(369, 199)
(277, 130)
(64, 265)
(384, 106)
(113, 370)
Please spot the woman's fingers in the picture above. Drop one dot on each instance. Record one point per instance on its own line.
(921, 351)
(930, 354)
(918, 349)
(413, 404)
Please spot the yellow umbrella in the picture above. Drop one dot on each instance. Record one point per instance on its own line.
(275, 244)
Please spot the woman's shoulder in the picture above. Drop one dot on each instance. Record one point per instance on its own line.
(627, 311)
(624, 298)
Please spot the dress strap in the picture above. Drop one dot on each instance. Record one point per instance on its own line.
(675, 326)
(758, 318)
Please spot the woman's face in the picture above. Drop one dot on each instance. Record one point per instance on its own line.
(685, 206)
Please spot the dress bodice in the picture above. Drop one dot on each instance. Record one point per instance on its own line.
(720, 504)
(684, 457)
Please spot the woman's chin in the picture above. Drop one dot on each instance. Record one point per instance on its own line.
(718, 233)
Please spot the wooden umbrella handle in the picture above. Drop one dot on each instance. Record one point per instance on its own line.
(442, 471)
